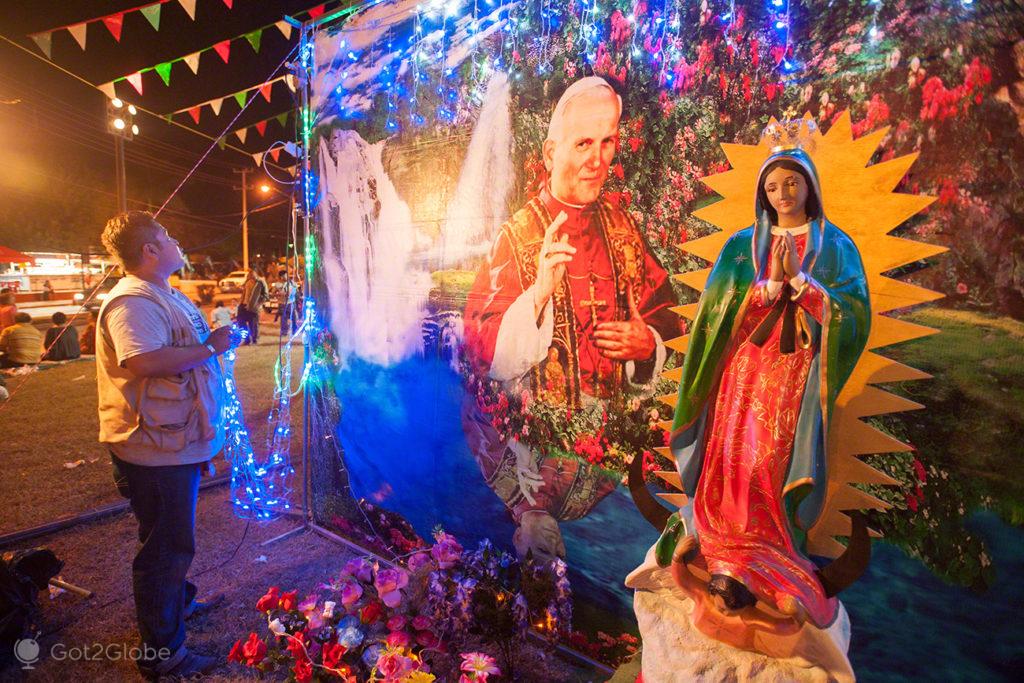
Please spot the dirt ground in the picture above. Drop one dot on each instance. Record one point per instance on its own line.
(52, 420)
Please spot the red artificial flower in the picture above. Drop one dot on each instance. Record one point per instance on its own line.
(911, 502)
(270, 600)
(427, 639)
(303, 670)
(332, 654)
(289, 600)
(922, 476)
(755, 56)
(297, 645)
(254, 650)
(236, 652)
(961, 288)
(371, 612)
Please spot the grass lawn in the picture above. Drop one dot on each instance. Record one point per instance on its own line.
(51, 420)
(973, 423)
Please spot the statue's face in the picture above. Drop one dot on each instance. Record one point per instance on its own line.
(539, 532)
(787, 193)
(578, 160)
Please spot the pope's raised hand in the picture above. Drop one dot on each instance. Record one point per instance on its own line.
(555, 252)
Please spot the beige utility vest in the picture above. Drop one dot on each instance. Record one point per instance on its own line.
(158, 421)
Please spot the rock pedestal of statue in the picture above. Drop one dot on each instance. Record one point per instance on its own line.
(675, 651)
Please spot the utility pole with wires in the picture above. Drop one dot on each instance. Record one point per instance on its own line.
(121, 124)
(245, 218)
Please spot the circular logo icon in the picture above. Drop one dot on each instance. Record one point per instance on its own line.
(27, 652)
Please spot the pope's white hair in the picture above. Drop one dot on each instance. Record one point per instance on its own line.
(572, 92)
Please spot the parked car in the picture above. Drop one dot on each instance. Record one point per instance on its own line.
(233, 282)
(91, 298)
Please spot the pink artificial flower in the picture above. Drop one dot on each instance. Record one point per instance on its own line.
(961, 288)
(389, 583)
(427, 639)
(421, 622)
(351, 591)
(393, 666)
(446, 551)
(360, 568)
(418, 561)
(478, 666)
(398, 639)
(396, 623)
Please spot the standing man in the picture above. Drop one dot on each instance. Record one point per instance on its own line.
(254, 294)
(160, 401)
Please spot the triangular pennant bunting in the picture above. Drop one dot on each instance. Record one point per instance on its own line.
(78, 33)
(114, 23)
(190, 7)
(282, 119)
(44, 41)
(258, 158)
(223, 49)
(241, 135)
(108, 89)
(194, 112)
(152, 14)
(316, 12)
(241, 98)
(165, 72)
(228, 3)
(254, 38)
(261, 127)
(193, 62)
(290, 82)
(222, 142)
(275, 153)
(266, 90)
(136, 80)
(215, 106)
(285, 28)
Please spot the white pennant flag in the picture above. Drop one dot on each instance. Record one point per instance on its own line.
(241, 132)
(190, 7)
(78, 33)
(258, 158)
(193, 62)
(108, 89)
(285, 28)
(215, 106)
(290, 81)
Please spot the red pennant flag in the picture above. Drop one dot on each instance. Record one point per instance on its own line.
(275, 153)
(316, 12)
(261, 127)
(265, 90)
(228, 3)
(136, 80)
(114, 24)
(223, 49)
(194, 113)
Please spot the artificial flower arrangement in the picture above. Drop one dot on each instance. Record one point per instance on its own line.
(403, 623)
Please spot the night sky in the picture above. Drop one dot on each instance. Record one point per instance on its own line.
(58, 185)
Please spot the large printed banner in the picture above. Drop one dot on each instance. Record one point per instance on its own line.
(501, 192)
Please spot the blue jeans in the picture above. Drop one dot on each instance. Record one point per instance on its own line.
(164, 502)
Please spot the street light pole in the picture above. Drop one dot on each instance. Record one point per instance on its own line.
(121, 124)
(119, 171)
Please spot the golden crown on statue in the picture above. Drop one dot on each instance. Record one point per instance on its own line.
(792, 134)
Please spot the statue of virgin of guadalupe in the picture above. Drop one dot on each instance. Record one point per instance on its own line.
(779, 328)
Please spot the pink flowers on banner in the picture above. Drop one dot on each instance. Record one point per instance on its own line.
(477, 667)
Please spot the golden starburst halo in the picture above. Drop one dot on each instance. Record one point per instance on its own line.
(860, 200)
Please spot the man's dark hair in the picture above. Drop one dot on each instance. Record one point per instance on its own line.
(58, 318)
(22, 317)
(813, 206)
(126, 233)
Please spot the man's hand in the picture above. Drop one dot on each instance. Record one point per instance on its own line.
(221, 339)
(790, 258)
(626, 340)
(554, 254)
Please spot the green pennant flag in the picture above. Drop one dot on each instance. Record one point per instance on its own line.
(152, 14)
(165, 72)
(241, 97)
(282, 119)
(254, 38)
(221, 142)
(169, 118)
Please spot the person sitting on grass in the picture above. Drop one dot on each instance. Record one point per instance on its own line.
(220, 316)
(21, 343)
(87, 342)
(61, 342)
